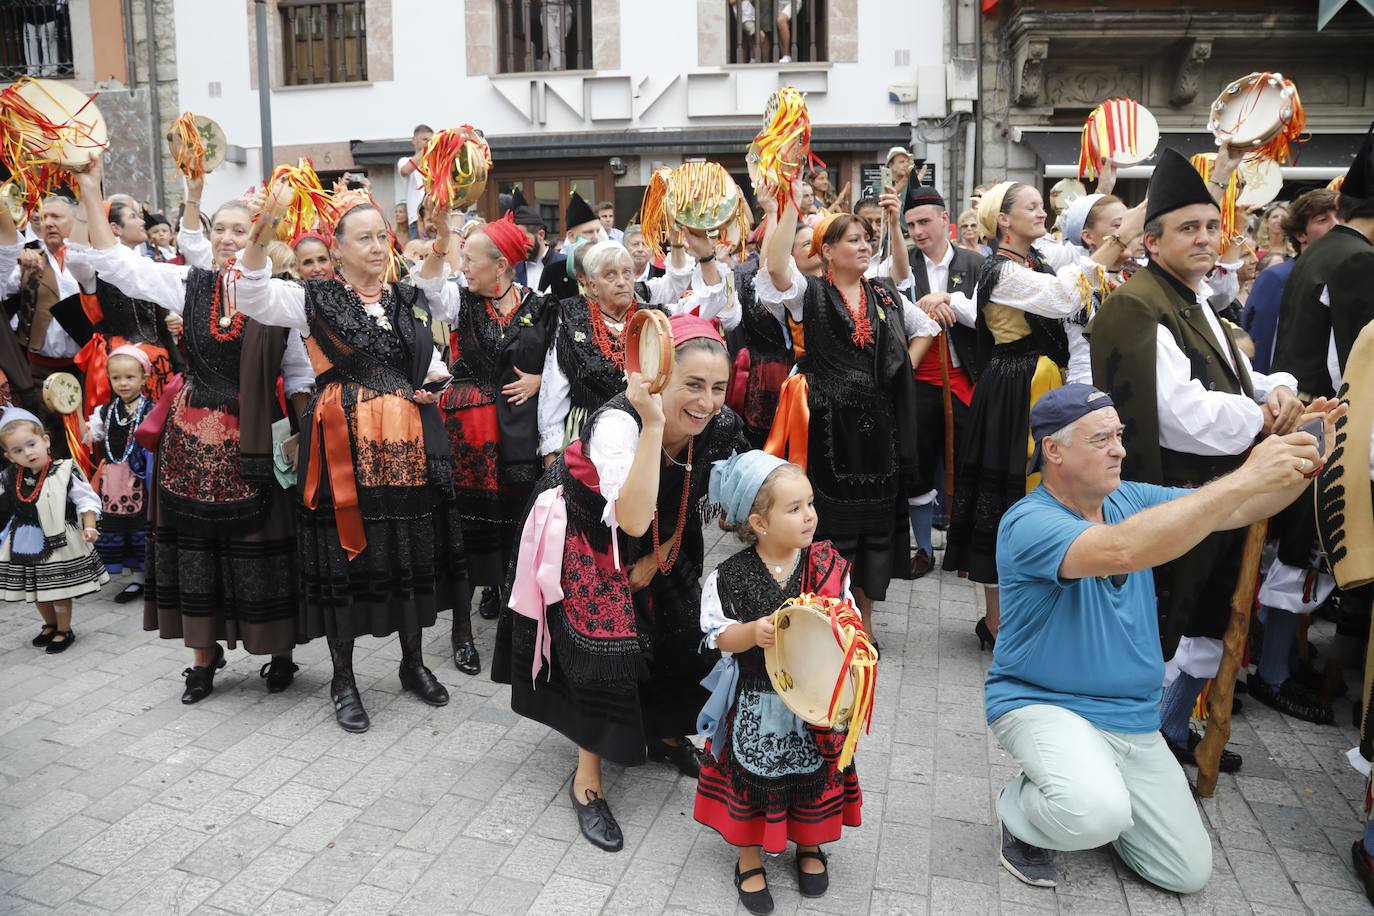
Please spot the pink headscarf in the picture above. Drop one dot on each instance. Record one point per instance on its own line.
(133, 353)
(689, 327)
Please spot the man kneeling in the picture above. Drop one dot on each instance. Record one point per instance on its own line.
(1073, 692)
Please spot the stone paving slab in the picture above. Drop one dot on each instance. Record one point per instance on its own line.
(115, 798)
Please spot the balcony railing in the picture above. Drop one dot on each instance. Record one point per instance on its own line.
(323, 42)
(776, 31)
(35, 40)
(542, 35)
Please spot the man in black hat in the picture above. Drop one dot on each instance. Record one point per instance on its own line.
(1192, 408)
(1073, 691)
(543, 264)
(1326, 302)
(937, 269)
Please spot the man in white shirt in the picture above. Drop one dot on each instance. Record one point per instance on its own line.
(605, 212)
(1192, 407)
(46, 279)
(413, 181)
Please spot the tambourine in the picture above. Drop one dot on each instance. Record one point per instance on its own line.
(212, 140)
(58, 123)
(649, 348)
(1263, 180)
(455, 164)
(1345, 510)
(697, 196)
(823, 666)
(782, 149)
(62, 393)
(1256, 110)
(12, 199)
(1121, 131)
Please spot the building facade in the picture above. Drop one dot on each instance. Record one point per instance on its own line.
(631, 86)
(1047, 63)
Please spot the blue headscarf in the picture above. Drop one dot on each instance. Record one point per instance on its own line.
(1076, 216)
(13, 414)
(736, 481)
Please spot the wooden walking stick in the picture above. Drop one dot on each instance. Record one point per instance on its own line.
(949, 417)
(1208, 753)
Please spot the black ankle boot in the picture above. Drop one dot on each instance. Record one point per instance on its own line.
(420, 681)
(200, 680)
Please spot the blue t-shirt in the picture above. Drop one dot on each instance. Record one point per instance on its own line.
(1087, 645)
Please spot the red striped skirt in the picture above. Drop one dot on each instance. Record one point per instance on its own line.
(810, 823)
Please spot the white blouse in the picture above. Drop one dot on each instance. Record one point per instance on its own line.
(916, 322)
(713, 619)
(165, 285)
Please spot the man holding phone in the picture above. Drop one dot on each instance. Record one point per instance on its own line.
(1193, 407)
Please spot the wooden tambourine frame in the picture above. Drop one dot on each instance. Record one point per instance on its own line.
(649, 348)
(62, 393)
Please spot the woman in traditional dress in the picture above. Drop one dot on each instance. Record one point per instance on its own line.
(861, 343)
(1088, 222)
(380, 539)
(313, 258)
(601, 640)
(499, 338)
(223, 551)
(585, 365)
(1021, 309)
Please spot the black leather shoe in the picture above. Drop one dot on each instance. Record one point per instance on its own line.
(682, 755)
(812, 885)
(349, 712)
(921, 563)
(490, 608)
(466, 659)
(985, 635)
(131, 591)
(1291, 699)
(422, 682)
(200, 680)
(279, 672)
(57, 646)
(758, 902)
(45, 634)
(596, 822)
(1230, 761)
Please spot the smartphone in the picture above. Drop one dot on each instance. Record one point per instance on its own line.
(353, 180)
(876, 185)
(1317, 428)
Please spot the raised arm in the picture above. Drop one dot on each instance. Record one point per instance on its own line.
(779, 243)
(638, 498)
(192, 244)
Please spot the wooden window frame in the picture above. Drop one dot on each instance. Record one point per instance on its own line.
(336, 16)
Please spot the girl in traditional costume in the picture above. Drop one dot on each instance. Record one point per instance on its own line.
(768, 778)
(1022, 345)
(125, 468)
(499, 337)
(601, 639)
(47, 552)
(380, 541)
(859, 410)
(224, 543)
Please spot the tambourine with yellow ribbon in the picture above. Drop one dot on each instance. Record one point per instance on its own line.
(649, 348)
(1121, 131)
(698, 196)
(823, 666)
(197, 144)
(455, 164)
(308, 207)
(782, 149)
(47, 128)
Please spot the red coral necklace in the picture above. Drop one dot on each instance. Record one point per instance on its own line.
(612, 346)
(665, 565)
(863, 329)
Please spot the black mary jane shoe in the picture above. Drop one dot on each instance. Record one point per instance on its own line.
(758, 902)
(422, 682)
(466, 659)
(813, 885)
(490, 606)
(595, 820)
(200, 679)
(45, 635)
(57, 646)
(349, 712)
(279, 673)
(985, 636)
(682, 755)
(130, 592)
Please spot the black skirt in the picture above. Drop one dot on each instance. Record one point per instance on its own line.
(410, 570)
(992, 459)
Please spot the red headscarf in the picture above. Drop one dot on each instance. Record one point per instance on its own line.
(315, 234)
(689, 327)
(508, 238)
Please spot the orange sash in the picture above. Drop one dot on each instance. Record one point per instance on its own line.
(791, 432)
(331, 435)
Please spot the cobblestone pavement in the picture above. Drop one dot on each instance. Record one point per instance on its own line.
(117, 798)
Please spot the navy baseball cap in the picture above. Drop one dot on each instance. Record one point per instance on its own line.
(1058, 408)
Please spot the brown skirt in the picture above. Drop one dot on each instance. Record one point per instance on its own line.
(205, 588)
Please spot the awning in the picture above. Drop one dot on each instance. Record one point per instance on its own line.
(1324, 156)
(701, 141)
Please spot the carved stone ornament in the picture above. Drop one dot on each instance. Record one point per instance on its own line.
(1193, 56)
(1087, 87)
(1030, 58)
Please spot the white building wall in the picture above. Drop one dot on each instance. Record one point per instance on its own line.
(658, 48)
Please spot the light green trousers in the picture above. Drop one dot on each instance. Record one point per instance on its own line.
(1082, 787)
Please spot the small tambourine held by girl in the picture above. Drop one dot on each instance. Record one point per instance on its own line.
(767, 777)
(49, 513)
(125, 468)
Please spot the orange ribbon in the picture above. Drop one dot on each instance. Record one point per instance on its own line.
(789, 436)
(91, 359)
(331, 435)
